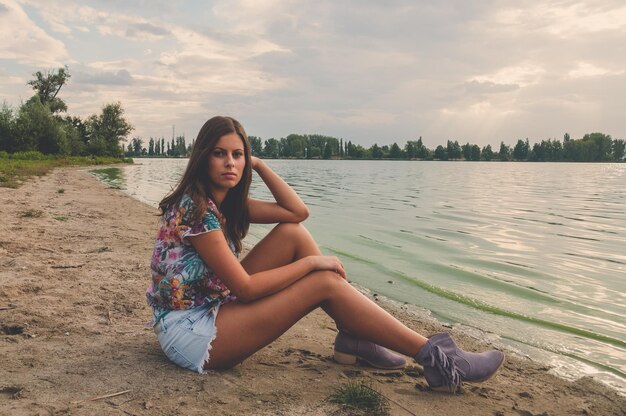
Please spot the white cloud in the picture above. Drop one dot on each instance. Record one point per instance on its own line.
(23, 41)
(565, 18)
(56, 22)
(522, 74)
(253, 16)
(586, 69)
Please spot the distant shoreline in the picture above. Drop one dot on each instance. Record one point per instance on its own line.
(396, 160)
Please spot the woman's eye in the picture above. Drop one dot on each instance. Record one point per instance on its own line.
(218, 153)
(237, 154)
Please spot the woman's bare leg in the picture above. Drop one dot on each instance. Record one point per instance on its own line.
(285, 244)
(244, 329)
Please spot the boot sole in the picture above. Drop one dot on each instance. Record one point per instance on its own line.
(343, 358)
(350, 359)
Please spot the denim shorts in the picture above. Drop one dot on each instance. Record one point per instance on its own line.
(186, 336)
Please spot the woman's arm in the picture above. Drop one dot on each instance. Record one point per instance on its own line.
(214, 251)
(288, 206)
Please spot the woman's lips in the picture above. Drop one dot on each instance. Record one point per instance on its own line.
(229, 175)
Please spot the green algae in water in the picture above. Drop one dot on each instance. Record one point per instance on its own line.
(477, 304)
(111, 176)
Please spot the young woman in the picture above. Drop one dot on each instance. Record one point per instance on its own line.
(212, 311)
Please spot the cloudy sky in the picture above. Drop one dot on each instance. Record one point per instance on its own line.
(367, 71)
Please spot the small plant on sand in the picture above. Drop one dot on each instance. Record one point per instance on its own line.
(360, 397)
(60, 218)
(31, 213)
(60, 191)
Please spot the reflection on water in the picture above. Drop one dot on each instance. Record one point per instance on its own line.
(533, 252)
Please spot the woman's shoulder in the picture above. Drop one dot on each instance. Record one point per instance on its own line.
(212, 207)
(189, 205)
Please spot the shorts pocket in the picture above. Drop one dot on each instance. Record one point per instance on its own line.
(201, 324)
(179, 359)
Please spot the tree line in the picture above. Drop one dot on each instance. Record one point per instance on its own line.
(159, 147)
(593, 147)
(41, 124)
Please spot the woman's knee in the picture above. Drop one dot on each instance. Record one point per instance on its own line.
(298, 233)
(326, 281)
(292, 229)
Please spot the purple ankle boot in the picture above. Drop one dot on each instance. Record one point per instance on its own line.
(349, 348)
(446, 366)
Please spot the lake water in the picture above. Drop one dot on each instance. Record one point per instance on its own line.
(533, 253)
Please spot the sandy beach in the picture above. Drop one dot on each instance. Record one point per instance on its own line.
(74, 266)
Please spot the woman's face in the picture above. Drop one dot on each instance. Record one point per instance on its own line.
(226, 162)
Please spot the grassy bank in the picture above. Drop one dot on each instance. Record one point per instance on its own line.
(15, 168)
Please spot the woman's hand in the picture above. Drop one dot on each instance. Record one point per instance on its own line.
(331, 263)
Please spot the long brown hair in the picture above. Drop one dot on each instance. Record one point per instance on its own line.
(195, 181)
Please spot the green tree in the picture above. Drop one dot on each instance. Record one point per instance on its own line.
(556, 151)
(37, 129)
(520, 152)
(314, 152)
(256, 145)
(467, 151)
(546, 151)
(294, 145)
(173, 148)
(47, 86)
(487, 153)
(395, 152)
(7, 128)
(454, 150)
(441, 153)
(505, 152)
(593, 147)
(422, 152)
(180, 146)
(410, 149)
(376, 151)
(74, 137)
(271, 148)
(551, 150)
(356, 151)
(619, 149)
(535, 153)
(328, 151)
(137, 146)
(475, 156)
(572, 150)
(599, 146)
(106, 130)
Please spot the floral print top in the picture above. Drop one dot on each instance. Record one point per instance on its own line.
(180, 279)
